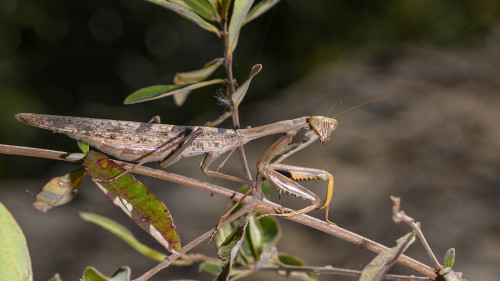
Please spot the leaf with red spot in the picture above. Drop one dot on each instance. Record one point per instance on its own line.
(133, 198)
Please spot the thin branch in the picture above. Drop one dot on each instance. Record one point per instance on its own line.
(168, 260)
(335, 271)
(400, 216)
(33, 152)
(260, 205)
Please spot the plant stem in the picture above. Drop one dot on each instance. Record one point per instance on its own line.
(400, 216)
(260, 205)
(334, 271)
(231, 88)
(168, 260)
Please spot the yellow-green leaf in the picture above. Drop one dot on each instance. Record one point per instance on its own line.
(201, 7)
(84, 147)
(195, 76)
(295, 261)
(124, 234)
(15, 262)
(92, 274)
(254, 235)
(224, 7)
(240, 11)
(187, 13)
(262, 7)
(240, 93)
(449, 257)
(59, 190)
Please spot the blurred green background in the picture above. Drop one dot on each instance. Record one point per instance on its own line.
(435, 145)
(83, 58)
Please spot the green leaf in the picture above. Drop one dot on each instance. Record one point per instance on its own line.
(201, 7)
(222, 234)
(254, 234)
(84, 147)
(266, 189)
(92, 274)
(150, 93)
(214, 4)
(295, 261)
(232, 241)
(262, 7)
(290, 260)
(240, 11)
(224, 7)
(211, 267)
(59, 190)
(195, 76)
(133, 198)
(449, 258)
(124, 234)
(378, 267)
(160, 91)
(271, 232)
(240, 93)
(230, 247)
(15, 262)
(187, 13)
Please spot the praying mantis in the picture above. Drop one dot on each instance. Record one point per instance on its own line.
(151, 141)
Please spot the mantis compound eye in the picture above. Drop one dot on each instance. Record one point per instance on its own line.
(323, 127)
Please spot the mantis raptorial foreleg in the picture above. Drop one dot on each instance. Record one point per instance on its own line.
(309, 138)
(284, 176)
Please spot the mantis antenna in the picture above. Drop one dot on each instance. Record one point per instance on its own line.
(329, 110)
(366, 102)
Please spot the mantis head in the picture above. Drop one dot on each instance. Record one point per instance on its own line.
(323, 127)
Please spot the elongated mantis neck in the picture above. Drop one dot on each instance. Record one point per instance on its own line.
(274, 128)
